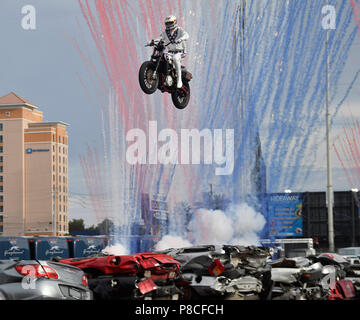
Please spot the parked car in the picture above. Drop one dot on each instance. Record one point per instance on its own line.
(42, 280)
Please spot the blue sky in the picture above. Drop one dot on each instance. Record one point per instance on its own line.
(41, 66)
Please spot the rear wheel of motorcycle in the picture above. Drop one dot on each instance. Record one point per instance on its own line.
(147, 83)
(179, 99)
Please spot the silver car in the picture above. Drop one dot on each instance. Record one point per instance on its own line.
(42, 280)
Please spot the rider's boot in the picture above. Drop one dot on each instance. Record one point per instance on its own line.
(177, 64)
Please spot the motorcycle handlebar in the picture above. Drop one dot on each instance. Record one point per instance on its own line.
(152, 43)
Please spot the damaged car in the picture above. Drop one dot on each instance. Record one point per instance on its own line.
(322, 277)
(224, 272)
(301, 279)
(143, 276)
(347, 282)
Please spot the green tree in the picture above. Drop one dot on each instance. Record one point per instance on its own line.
(76, 225)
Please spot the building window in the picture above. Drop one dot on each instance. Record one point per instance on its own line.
(1, 198)
(1, 159)
(1, 219)
(1, 229)
(1, 169)
(63, 140)
(59, 139)
(1, 139)
(1, 178)
(1, 208)
(1, 127)
(1, 149)
(54, 151)
(1, 188)
(59, 159)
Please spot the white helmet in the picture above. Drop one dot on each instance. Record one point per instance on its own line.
(170, 22)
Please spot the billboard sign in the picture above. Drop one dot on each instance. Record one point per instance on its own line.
(285, 215)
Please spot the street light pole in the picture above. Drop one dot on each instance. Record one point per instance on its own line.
(329, 173)
(54, 213)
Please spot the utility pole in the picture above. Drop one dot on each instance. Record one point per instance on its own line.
(54, 212)
(353, 218)
(330, 193)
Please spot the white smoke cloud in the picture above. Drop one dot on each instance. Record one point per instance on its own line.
(211, 227)
(248, 223)
(116, 250)
(239, 225)
(169, 241)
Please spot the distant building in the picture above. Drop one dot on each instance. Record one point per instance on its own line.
(155, 213)
(33, 170)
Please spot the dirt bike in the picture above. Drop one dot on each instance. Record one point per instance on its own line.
(159, 73)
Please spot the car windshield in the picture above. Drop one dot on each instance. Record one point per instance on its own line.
(14, 248)
(87, 246)
(48, 248)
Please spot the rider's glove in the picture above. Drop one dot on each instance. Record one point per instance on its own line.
(178, 41)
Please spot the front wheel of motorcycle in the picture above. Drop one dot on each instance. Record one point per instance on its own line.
(147, 82)
(179, 98)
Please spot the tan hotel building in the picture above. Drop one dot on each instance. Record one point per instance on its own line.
(33, 170)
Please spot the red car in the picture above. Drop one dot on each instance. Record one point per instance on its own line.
(138, 276)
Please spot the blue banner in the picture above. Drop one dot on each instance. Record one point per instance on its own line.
(285, 215)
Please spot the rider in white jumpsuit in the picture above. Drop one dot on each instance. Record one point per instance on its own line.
(177, 49)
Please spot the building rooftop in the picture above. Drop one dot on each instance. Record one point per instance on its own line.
(48, 123)
(12, 99)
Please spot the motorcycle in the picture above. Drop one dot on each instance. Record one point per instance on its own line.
(159, 73)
